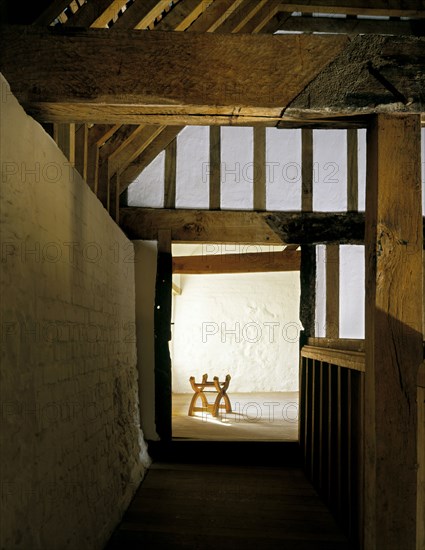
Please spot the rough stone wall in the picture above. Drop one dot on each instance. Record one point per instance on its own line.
(72, 452)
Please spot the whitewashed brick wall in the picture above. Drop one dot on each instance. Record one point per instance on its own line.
(72, 452)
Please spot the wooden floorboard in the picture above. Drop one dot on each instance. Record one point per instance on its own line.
(255, 416)
(203, 506)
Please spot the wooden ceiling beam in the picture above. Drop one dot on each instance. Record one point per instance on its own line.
(243, 226)
(152, 72)
(318, 227)
(258, 262)
(353, 26)
(135, 114)
(223, 226)
(400, 8)
(217, 226)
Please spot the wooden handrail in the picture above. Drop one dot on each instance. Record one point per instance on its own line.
(320, 349)
(345, 344)
(354, 360)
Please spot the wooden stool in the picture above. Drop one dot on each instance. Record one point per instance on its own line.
(219, 387)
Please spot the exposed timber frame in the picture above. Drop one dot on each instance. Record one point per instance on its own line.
(393, 343)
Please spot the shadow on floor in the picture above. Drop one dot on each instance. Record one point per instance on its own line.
(254, 417)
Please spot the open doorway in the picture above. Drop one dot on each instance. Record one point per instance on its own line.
(242, 324)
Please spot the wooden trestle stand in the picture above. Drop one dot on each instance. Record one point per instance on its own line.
(219, 387)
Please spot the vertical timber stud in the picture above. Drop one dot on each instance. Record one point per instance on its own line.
(114, 197)
(307, 169)
(170, 175)
(93, 166)
(393, 330)
(352, 171)
(214, 171)
(81, 149)
(259, 168)
(162, 324)
(64, 135)
(332, 291)
(103, 184)
(307, 280)
(307, 318)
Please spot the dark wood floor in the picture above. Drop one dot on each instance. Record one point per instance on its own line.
(203, 506)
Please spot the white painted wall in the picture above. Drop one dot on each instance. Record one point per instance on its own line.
(351, 291)
(148, 188)
(361, 147)
(192, 172)
(283, 169)
(243, 325)
(237, 175)
(329, 170)
(320, 323)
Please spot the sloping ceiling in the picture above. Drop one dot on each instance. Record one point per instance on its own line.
(126, 149)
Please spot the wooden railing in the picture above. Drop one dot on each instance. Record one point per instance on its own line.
(331, 430)
(331, 426)
(420, 533)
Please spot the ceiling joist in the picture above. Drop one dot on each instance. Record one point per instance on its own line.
(257, 262)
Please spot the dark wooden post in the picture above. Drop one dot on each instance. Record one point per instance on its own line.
(162, 333)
